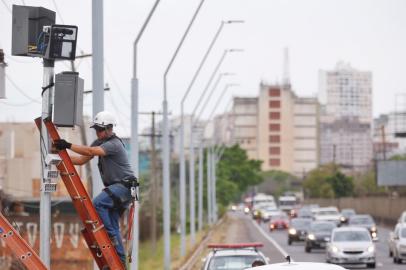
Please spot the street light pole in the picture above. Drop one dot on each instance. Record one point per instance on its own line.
(165, 149)
(134, 136)
(182, 186)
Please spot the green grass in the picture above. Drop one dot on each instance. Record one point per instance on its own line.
(150, 259)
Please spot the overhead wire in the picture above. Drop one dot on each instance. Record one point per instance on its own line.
(113, 79)
(57, 11)
(16, 104)
(7, 7)
(22, 91)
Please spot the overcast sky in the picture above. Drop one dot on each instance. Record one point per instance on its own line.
(369, 34)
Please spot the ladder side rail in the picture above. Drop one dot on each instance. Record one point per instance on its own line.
(19, 246)
(98, 233)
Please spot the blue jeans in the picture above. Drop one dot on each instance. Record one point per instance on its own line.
(110, 215)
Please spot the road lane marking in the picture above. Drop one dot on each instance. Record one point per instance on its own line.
(270, 239)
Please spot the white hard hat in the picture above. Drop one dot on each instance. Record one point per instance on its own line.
(103, 119)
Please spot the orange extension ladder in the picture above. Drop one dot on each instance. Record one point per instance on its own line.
(93, 232)
(19, 246)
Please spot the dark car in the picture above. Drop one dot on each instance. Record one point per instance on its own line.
(279, 222)
(298, 229)
(318, 235)
(365, 221)
(346, 214)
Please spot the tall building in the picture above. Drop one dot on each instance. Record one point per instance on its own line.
(287, 130)
(346, 97)
(244, 124)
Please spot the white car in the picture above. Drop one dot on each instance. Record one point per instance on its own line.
(351, 245)
(327, 214)
(402, 218)
(398, 249)
(233, 256)
(298, 266)
(269, 212)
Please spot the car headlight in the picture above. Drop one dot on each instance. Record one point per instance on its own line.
(342, 219)
(311, 237)
(373, 235)
(246, 209)
(292, 231)
(371, 248)
(335, 249)
(373, 229)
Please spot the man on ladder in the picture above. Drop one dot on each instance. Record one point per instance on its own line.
(116, 173)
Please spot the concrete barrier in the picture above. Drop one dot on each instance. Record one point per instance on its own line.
(383, 209)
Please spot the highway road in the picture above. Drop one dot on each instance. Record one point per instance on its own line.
(244, 229)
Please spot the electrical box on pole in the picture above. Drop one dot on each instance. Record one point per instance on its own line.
(27, 29)
(68, 99)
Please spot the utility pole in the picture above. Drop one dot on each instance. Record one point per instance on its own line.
(154, 187)
(45, 202)
(97, 79)
(383, 142)
(134, 134)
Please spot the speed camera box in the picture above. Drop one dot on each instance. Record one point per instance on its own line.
(27, 29)
(68, 101)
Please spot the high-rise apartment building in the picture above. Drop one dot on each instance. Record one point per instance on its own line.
(346, 97)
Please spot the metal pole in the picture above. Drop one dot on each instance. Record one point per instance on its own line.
(165, 148)
(98, 81)
(192, 187)
(98, 84)
(200, 189)
(213, 181)
(182, 153)
(45, 201)
(208, 164)
(182, 187)
(134, 155)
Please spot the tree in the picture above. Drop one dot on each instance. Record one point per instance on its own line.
(342, 185)
(235, 173)
(327, 181)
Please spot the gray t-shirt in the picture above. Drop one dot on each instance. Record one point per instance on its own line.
(114, 166)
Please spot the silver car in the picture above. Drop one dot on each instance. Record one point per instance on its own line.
(233, 256)
(398, 248)
(351, 245)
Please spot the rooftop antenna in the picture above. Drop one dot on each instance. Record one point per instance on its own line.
(286, 75)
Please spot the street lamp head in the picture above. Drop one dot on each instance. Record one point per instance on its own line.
(235, 50)
(227, 74)
(234, 21)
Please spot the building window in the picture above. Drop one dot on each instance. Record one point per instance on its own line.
(274, 162)
(274, 150)
(274, 115)
(274, 92)
(274, 104)
(274, 127)
(274, 139)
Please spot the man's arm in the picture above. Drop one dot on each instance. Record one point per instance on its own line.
(88, 151)
(80, 160)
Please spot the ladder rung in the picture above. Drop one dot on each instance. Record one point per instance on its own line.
(90, 221)
(98, 228)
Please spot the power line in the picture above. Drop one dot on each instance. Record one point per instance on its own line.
(125, 100)
(21, 91)
(16, 104)
(57, 11)
(7, 7)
